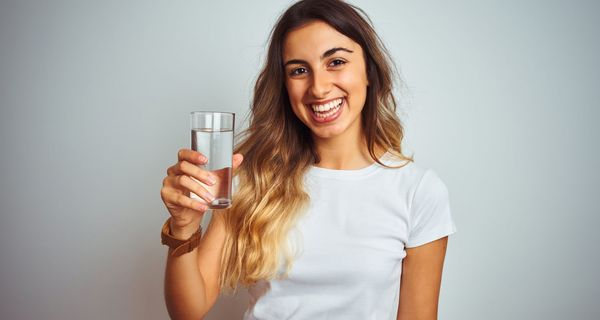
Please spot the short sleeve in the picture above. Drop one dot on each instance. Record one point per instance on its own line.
(430, 216)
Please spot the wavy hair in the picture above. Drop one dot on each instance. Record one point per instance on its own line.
(278, 148)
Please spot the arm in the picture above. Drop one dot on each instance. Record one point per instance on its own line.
(420, 281)
(191, 280)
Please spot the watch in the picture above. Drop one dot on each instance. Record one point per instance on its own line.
(179, 246)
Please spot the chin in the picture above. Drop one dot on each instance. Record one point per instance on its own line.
(326, 133)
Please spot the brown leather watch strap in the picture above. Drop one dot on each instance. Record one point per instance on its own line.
(179, 246)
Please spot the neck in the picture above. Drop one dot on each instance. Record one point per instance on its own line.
(344, 152)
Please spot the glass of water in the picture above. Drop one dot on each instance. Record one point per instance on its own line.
(212, 135)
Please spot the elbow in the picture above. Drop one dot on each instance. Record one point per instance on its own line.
(184, 311)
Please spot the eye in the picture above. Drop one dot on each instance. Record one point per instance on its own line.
(337, 62)
(298, 71)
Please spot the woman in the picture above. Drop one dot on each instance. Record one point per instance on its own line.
(329, 220)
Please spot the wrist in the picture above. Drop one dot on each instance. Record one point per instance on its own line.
(183, 232)
(179, 246)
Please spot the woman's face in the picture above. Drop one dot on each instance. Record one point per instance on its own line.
(326, 79)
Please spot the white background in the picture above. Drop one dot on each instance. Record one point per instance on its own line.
(500, 99)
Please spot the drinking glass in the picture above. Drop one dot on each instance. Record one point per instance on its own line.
(212, 135)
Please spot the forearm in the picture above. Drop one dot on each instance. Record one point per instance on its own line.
(421, 280)
(185, 293)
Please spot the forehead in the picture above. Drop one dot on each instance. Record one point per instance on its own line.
(313, 39)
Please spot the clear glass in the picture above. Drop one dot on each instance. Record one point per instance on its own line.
(212, 135)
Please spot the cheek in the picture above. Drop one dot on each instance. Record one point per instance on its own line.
(354, 80)
(355, 87)
(294, 93)
(295, 97)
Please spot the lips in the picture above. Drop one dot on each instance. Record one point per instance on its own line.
(327, 112)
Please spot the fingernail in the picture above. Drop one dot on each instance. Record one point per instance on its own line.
(200, 206)
(210, 197)
(212, 180)
(202, 158)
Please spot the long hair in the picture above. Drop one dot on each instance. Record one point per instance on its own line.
(278, 148)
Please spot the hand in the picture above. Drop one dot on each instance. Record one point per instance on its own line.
(186, 213)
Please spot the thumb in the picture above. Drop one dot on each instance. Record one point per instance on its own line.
(237, 160)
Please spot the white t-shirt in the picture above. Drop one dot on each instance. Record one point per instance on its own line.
(351, 243)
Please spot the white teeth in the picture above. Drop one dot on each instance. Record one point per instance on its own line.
(328, 106)
(326, 110)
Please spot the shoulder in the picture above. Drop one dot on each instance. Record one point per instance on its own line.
(430, 182)
(421, 182)
(430, 191)
(409, 173)
(429, 210)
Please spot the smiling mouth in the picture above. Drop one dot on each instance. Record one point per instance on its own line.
(327, 109)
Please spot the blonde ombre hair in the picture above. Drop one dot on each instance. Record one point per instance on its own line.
(278, 148)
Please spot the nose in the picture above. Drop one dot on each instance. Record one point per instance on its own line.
(321, 84)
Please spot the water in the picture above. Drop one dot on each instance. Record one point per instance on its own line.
(217, 146)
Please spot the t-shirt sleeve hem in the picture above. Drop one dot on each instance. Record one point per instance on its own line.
(432, 235)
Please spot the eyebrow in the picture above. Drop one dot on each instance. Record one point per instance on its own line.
(323, 56)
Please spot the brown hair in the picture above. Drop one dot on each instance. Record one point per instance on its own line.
(278, 147)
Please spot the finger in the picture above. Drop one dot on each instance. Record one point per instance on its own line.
(195, 171)
(191, 156)
(170, 196)
(190, 169)
(237, 160)
(196, 188)
(172, 170)
(175, 170)
(172, 182)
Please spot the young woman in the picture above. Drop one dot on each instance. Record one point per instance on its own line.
(329, 219)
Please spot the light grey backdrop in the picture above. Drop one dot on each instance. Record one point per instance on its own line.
(501, 100)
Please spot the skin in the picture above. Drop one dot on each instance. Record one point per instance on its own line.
(420, 281)
(191, 280)
(315, 75)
